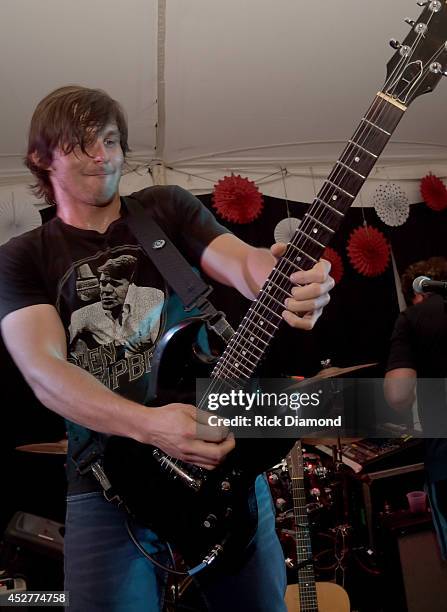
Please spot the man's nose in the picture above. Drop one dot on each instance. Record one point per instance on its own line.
(99, 152)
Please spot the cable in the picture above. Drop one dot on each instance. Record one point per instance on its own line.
(207, 561)
(144, 552)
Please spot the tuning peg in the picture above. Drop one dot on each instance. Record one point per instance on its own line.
(411, 22)
(395, 44)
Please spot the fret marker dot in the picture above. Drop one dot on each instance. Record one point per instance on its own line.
(261, 322)
(236, 364)
(334, 197)
(244, 352)
(315, 230)
(252, 338)
(298, 258)
(357, 159)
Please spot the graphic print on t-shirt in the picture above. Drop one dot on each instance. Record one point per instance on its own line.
(113, 332)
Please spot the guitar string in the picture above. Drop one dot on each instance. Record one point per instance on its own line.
(309, 594)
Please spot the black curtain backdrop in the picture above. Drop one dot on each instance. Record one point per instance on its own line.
(423, 235)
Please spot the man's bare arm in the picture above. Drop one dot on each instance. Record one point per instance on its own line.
(399, 388)
(36, 340)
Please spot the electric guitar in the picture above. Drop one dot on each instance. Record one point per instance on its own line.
(204, 513)
(308, 595)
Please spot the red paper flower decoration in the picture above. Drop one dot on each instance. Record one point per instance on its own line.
(368, 251)
(434, 192)
(237, 199)
(337, 268)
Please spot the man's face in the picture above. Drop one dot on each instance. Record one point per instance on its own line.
(113, 291)
(91, 179)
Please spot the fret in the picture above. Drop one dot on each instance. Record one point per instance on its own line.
(254, 336)
(276, 271)
(238, 365)
(351, 170)
(245, 350)
(356, 144)
(304, 253)
(234, 354)
(273, 298)
(270, 282)
(335, 210)
(309, 237)
(228, 366)
(376, 126)
(254, 311)
(242, 355)
(272, 311)
(263, 328)
(252, 346)
(340, 189)
(323, 225)
(262, 320)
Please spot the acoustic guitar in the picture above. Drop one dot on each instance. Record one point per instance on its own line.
(308, 595)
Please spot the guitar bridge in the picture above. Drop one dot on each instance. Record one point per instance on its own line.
(178, 468)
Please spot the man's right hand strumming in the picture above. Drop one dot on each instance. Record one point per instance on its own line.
(182, 431)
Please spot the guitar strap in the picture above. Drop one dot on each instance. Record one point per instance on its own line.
(171, 264)
(191, 290)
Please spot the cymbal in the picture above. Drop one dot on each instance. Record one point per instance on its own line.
(48, 448)
(331, 372)
(334, 371)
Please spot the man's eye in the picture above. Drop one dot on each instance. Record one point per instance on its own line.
(110, 142)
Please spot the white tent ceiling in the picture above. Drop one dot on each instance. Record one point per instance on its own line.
(243, 85)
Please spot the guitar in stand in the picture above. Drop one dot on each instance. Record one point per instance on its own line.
(308, 595)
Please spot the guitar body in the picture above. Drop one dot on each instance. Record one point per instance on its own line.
(331, 598)
(193, 518)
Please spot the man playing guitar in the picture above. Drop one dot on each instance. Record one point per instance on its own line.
(95, 376)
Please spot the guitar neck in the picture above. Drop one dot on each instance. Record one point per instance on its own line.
(306, 577)
(251, 340)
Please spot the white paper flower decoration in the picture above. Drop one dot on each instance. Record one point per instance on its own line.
(391, 204)
(285, 229)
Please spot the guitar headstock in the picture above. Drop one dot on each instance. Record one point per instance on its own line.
(420, 60)
(295, 460)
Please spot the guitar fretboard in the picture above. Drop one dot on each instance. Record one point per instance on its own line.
(250, 341)
(306, 577)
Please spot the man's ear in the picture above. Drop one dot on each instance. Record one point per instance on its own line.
(419, 297)
(37, 161)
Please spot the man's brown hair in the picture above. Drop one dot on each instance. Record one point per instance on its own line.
(68, 117)
(434, 267)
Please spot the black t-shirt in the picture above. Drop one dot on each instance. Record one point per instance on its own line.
(112, 301)
(419, 341)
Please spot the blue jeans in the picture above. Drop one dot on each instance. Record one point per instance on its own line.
(104, 571)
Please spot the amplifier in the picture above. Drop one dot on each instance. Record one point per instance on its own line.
(35, 532)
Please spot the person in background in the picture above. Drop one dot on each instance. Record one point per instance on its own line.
(417, 367)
